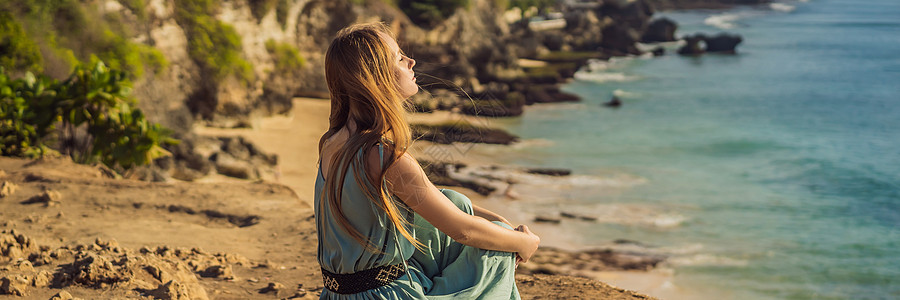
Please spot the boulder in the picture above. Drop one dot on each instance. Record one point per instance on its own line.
(48, 198)
(228, 165)
(7, 188)
(660, 30)
(16, 285)
(614, 102)
(723, 43)
(619, 40)
(692, 45)
(63, 295)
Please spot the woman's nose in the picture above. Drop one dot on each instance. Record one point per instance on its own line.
(412, 63)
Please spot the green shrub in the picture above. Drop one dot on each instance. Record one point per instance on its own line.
(138, 7)
(17, 51)
(429, 13)
(95, 101)
(214, 45)
(27, 113)
(259, 8)
(287, 58)
(70, 34)
(122, 54)
(281, 12)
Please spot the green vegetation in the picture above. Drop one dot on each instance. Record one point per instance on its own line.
(429, 13)
(130, 57)
(549, 69)
(259, 8)
(17, 52)
(138, 7)
(570, 56)
(67, 33)
(93, 101)
(281, 12)
(214, 45)
(287, 58)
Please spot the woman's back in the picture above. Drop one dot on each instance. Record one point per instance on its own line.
(339, 252)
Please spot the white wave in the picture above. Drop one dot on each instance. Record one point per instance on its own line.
(521, 178)
(722, 21)
(639, 215)
(668, 221)
(782, 7)
(625, 94)
(599, 65)
(620, 61)
(595, 65)
(602, 77)
(707, 260)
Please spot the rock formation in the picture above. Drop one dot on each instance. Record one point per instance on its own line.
(724, 43)
(660, 30)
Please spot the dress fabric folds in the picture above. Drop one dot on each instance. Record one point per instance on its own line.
(445, 269)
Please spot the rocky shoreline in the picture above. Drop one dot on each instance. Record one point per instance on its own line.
(62, 245)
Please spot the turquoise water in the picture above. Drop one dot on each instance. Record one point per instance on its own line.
(771, 174)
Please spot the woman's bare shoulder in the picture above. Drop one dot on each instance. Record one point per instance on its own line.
(378, 156)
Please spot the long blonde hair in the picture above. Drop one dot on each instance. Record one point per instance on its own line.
(365, 89)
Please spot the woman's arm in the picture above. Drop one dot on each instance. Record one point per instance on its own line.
(489, 215)
(408, 182)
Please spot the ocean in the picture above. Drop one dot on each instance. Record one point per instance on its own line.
(770, 174)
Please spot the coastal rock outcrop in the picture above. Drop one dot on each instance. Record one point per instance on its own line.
(692, 45)
(660, 30)
(724, 43)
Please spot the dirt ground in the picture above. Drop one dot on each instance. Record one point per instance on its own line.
(72, 231)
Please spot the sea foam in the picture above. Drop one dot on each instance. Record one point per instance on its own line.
(601, 77)
(722, 21)
(625, 94)
(707, 260)
(782, 7)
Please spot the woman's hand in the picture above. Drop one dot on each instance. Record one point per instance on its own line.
(529, 248)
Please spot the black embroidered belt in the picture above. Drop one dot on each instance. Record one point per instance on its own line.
(363, 280)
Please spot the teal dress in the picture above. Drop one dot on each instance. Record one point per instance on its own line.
(445, 270)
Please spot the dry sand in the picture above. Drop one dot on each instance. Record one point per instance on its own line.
(68, 227)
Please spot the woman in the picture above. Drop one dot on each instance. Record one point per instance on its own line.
(385, 231)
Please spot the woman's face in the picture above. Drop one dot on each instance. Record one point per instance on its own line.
(403, 69)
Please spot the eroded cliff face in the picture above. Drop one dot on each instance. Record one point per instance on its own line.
(473, 43)
(182, 92)
(473, 51)
(471, 48)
